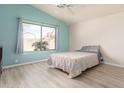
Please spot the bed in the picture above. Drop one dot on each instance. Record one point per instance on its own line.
(75, 62)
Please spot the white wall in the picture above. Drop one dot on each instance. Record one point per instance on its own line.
(107, 31)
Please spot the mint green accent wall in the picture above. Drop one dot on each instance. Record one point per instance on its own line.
(8, 32)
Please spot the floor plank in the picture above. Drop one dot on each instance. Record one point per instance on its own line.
(40, 76)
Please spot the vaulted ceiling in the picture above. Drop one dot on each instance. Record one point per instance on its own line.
(80, 12)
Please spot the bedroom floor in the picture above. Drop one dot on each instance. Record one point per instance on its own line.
(39, 75)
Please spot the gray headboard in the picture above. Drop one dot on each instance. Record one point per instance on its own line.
(92, 49)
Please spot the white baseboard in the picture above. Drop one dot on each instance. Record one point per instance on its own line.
(112, 64)
(21, 64)
(33, 62)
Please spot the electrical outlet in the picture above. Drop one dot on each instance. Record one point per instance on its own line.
(16, 61)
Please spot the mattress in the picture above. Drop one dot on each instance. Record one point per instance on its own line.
(73, 62)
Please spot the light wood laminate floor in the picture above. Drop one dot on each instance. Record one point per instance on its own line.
(39, 76)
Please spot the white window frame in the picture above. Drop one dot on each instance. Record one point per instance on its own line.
(41, 35)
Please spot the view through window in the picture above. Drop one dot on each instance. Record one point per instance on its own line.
(38, 38)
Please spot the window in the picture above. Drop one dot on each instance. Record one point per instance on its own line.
(38, 38)
(48, 37)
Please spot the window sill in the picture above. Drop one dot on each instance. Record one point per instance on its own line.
(52, 50)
